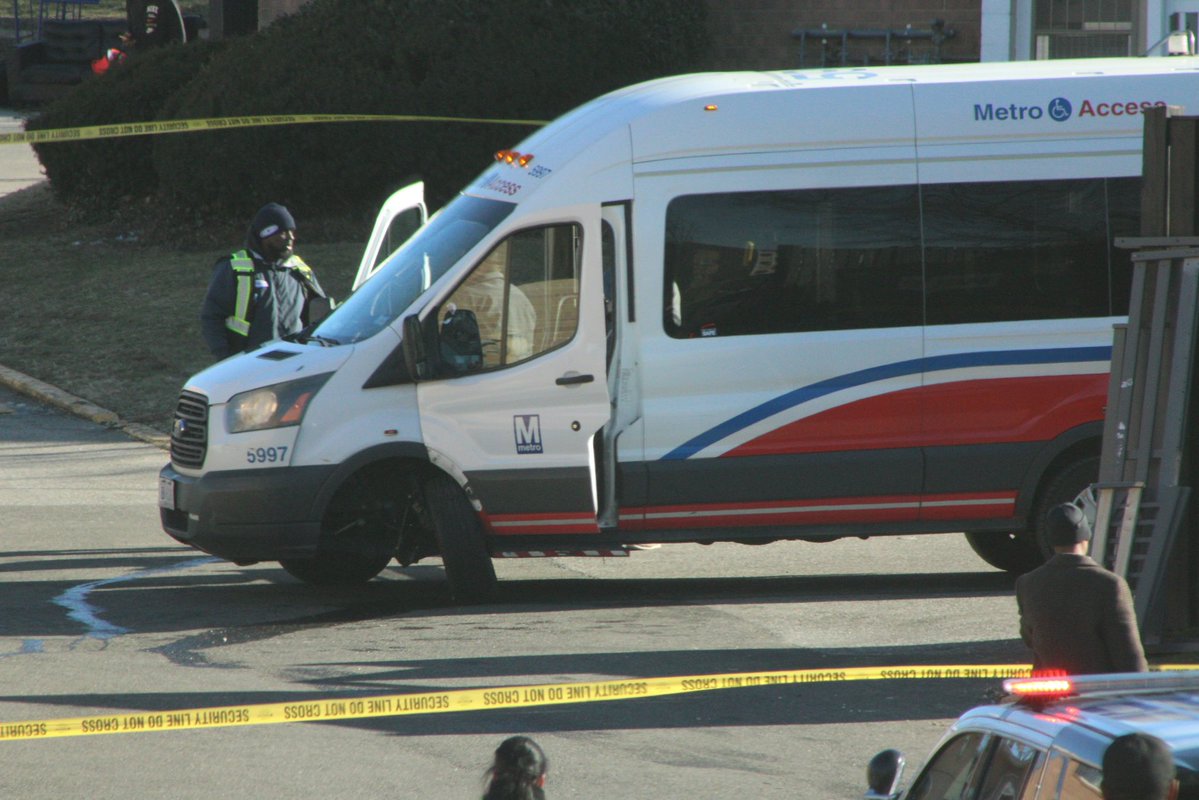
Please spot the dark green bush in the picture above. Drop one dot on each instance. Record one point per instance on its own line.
(517, 59)
(92, 173)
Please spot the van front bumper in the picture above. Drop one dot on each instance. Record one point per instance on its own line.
(245, 515)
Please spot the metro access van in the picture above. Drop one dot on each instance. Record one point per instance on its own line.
(718, 307)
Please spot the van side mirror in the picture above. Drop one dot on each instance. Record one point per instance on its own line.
(883, 774)
(461, 346)
(416, 354)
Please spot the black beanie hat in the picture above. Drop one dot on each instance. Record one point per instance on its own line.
(1067, 525)
(271, 219)
(1137, 765)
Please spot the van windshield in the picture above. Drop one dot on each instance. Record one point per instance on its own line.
(412, 269)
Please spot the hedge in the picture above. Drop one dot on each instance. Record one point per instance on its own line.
(518, 59)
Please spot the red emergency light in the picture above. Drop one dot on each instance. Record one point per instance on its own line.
(1040, 687)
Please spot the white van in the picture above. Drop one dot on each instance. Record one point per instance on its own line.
(720, 307)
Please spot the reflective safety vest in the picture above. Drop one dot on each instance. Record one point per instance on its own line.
(243, 268)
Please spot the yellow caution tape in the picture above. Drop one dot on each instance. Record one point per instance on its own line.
(326, 709)
(227, 123)
(330, 709)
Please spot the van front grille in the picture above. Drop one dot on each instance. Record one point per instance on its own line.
(189, 433)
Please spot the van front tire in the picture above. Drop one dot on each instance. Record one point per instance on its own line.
(359, 532)
(468, 565)
(334, 569)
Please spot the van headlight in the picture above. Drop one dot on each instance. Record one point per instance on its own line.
(275, 406)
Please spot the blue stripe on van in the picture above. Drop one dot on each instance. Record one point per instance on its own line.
(804, 394)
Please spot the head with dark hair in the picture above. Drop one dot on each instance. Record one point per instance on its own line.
(518, 772)
(272, 232)
(1138, 766)
(1067, 526)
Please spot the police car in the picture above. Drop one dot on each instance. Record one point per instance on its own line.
(1046, 740)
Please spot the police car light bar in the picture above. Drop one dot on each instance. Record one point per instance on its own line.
(1039, 687)
(1051, 687)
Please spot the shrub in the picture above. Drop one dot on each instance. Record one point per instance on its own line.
(517, 59)
(91, 173)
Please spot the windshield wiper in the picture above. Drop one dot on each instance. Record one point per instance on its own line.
(305, 336)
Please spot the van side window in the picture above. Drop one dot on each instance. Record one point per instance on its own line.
(608, 259)
(778, 262)
(523, 297)
(399, 231)
(882, 257)
(949, 773)
(1021, 250)
(1124, 219)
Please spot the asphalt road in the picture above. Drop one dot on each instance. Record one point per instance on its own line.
(100, 612)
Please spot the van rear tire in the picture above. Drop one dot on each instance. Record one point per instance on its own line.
(1016, 553)
(468, 566)
(1070, 484)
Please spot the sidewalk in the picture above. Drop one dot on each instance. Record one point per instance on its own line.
(19, 169)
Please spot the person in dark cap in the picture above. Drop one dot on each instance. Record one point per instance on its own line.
(153, 23)
(263, 292)
(1075, 615)
(1138, 766)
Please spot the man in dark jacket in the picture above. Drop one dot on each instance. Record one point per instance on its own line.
(1074, 614)
(261, 293)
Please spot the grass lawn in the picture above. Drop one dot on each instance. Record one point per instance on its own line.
(110, 319)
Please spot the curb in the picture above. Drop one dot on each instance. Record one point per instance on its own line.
(64, 401)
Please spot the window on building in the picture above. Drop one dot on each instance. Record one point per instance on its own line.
(1083, 28)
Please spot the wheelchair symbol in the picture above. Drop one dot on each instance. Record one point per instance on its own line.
(1060, 109)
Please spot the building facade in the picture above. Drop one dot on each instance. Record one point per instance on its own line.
(1017, 30)
(786, 34)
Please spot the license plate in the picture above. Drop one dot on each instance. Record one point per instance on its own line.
(166, 493)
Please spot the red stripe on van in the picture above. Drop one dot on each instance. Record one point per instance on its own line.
(993, 411)
(540, 524)
(970, 505)
(778, 512)
(800, 513)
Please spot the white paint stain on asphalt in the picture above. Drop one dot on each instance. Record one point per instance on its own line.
(75, 600)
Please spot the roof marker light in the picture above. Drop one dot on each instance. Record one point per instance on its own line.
(513, 157)
(711, 107)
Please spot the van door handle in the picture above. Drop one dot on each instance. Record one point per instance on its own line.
(573, 379)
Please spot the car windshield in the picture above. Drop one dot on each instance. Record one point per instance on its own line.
(412, 269)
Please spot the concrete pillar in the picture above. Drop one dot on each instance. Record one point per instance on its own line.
(995, 43)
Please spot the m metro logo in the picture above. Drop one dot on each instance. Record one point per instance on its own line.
(527, 429)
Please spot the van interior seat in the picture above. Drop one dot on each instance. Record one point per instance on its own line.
(557, 305)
